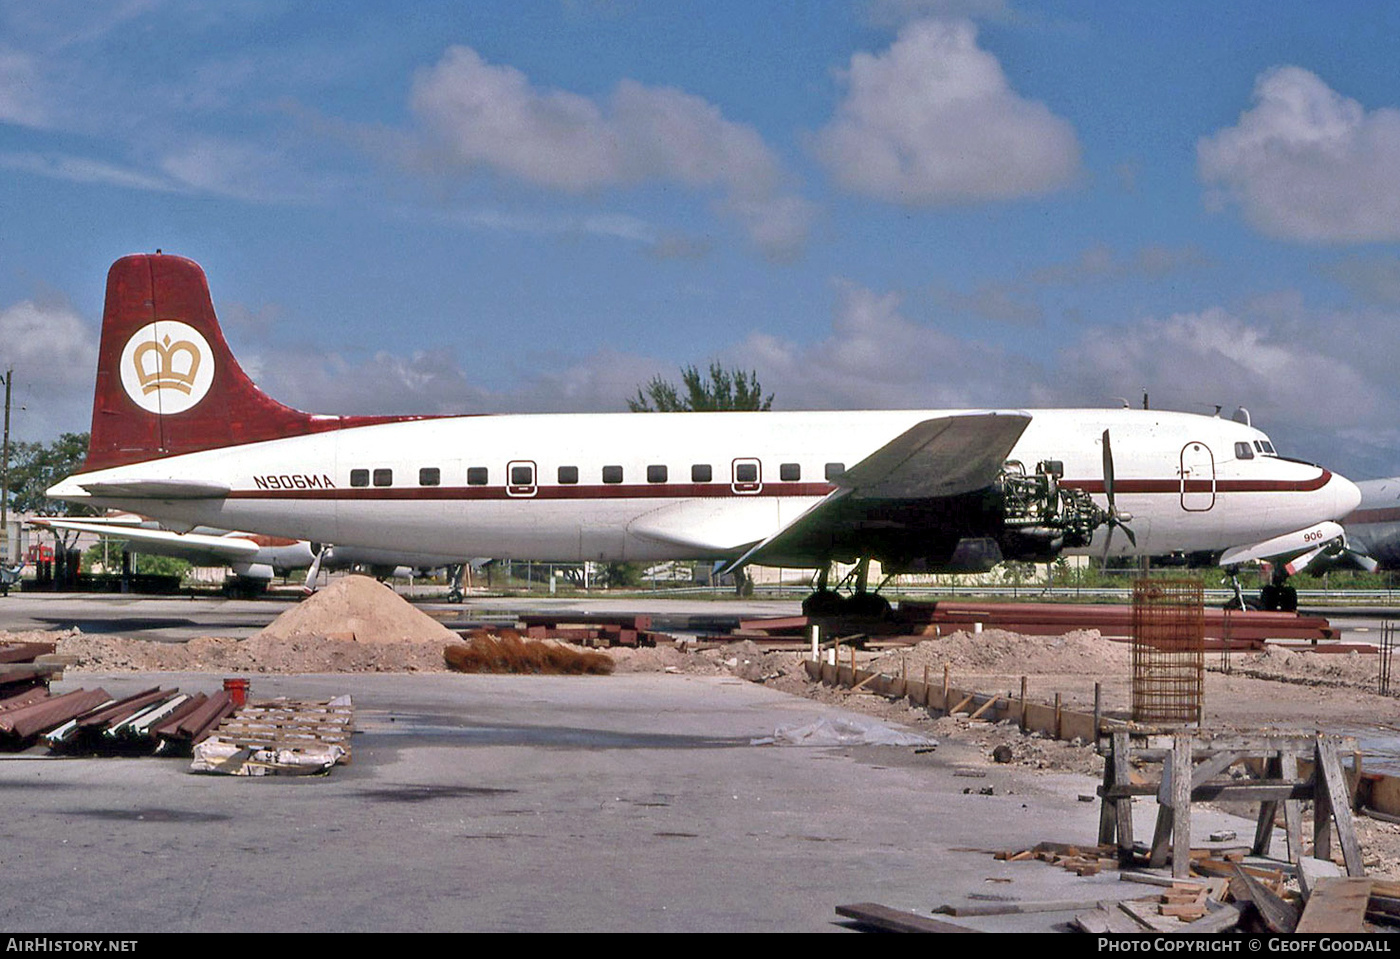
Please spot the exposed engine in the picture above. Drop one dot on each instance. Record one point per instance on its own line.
(1041, 517)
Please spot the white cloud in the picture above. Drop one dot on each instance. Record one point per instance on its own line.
(53, 352)
(875, 357)
(896, 12)
(20, 101)
(1307, 163)
(933, 120)
(84, 170)
(1191, 360)
(491, 116)
(1376, 279)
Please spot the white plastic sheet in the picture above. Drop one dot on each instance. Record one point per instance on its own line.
(843, 732)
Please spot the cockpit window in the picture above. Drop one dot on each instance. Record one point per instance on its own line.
(1265, 447)
(1243, 452)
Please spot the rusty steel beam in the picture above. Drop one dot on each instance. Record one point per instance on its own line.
(28, 721)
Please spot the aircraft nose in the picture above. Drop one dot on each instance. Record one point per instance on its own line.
(1346, 496)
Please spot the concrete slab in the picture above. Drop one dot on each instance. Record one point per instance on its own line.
(493, 803)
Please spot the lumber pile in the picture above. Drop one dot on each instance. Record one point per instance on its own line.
(1245, 629)
(592, 629)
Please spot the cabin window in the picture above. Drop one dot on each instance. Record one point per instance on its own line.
(612, 474)
(383, 477)
(1243, 452)
(746, 472)
(522, 476)
(790, 472)
(430, 476)
(359, 477)
(477, 476)
(568, 475)
(834, 470)
(656, 474)
(701, 473)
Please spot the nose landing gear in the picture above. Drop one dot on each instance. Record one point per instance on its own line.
(1275, 596)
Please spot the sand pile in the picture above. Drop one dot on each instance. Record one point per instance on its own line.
(359, 609)
(353, 625)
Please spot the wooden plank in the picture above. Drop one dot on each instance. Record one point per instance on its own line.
(1181, 806)
(1311, 869)
(1332, 782)
(887, 919)
(1264, 828)
(961, 703)
(1108, 920)
(1214, 766)
(985, 706)
(1336, 906)
(1016, 908)
(1279, 915)
(1122, 773)
(1292, 811)
(1221, 918)
(1145, 912)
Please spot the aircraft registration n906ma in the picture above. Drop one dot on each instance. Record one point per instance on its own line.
(180, 433)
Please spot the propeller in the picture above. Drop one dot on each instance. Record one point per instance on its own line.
(1115, 518)
(314, 572)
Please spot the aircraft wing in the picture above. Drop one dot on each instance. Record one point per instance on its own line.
(198, 548)
(925, 485)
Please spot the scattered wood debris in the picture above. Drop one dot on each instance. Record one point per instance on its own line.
(1080, 860)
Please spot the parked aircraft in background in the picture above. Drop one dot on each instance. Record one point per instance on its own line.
(1373, 528)
(253, 558)
(181, 433)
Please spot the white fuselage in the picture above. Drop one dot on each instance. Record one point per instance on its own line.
(634, 486)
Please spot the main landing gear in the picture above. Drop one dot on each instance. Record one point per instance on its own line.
(456, 573)
(859, 604)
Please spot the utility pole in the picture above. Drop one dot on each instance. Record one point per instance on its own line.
(5, 470)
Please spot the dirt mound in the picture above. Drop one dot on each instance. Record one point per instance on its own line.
(359, 609)
(996, 651)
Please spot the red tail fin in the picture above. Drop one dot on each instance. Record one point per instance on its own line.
(166, 380)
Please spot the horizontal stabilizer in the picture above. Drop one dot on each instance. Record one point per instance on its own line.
(157, 489)
(195, 547)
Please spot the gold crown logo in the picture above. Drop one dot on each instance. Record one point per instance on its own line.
(157, 367)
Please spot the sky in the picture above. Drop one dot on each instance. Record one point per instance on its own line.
(538, 206)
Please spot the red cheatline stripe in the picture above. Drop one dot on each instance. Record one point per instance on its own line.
(1389, 515)
(1205, 486)
(722, 490)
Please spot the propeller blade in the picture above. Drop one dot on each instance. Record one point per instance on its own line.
(1108, 470)
(314, 571)
(1114, 519)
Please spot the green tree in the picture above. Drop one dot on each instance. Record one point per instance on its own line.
(34, 467)
(145, 564)
(722, 390)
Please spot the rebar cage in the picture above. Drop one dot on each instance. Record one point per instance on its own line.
(1168, 651)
